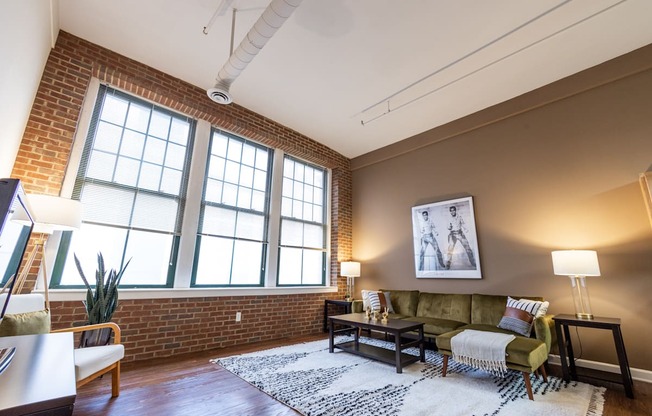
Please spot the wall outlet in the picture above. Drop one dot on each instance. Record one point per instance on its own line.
(238, 316)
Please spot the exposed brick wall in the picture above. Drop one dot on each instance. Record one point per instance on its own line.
(162, 327)
(168, 326)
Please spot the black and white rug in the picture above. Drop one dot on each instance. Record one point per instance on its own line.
(309, 379)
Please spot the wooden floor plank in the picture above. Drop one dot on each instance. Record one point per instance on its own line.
(191, 385)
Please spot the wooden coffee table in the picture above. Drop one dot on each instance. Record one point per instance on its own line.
(395, 327)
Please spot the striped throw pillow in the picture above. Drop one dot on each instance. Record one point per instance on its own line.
(520, 314)
(377, 301)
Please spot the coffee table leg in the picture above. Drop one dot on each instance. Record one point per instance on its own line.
(397, 346)
(357, 339)
(422, 349)
(330, 337)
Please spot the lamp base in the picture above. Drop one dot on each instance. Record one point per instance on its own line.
(581, 315)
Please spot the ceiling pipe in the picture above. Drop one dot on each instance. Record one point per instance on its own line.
(262, 31)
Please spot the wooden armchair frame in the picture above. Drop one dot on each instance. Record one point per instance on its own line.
(113, 368)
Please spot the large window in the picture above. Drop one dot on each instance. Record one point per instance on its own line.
(190, 205)
(232, 236)
(302, 249)
(132, 184)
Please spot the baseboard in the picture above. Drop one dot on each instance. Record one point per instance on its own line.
(637, 373)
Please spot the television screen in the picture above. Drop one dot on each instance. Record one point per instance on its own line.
(15, 228)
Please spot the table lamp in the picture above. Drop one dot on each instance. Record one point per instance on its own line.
(351, 270)
(577, 264)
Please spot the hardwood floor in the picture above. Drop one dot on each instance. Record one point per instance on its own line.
(190, 385)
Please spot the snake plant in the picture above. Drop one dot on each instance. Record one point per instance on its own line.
(101, 300)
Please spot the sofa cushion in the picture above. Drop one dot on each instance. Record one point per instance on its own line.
(519, 315)
(489, 309)
(436, 326)
(522, 353)
(404, 302)
(453, 307)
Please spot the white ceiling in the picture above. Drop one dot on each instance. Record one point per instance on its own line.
(332, 59)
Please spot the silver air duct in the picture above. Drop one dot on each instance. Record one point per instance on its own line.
(262, 31)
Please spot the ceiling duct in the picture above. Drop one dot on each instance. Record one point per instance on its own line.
(262, 31)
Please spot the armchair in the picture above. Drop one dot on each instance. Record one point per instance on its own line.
(90, 362)
(93, 362)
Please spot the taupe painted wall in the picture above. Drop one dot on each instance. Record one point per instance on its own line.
(553, 169)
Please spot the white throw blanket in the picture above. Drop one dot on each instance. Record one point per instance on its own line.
(481, 349)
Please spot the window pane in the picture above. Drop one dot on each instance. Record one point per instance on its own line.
(106, 204)
(309, 175)
(126, 171)
(260, 180)
(150, 254)
(258, 201)
(288, 168)
(291, 233)
(216, 168)
(288, 187)
(290, 266)
(150, 176)
(230, 194)
(175, 156)
(214, 261)
(248, 155)
(297, 209)
(313, 264)
(314, 236)
(319, 178)
(107, 137)
(179, 132)
(154, 150)
(246, 176)
(298, 172)
(132, 144)
(307, 193)
(213, 191)
(138, 118)
(244, 198)
(86, 242)
(298, 190)
(219, 221)
(247, 257)
(159, 125)
(114, 109)
(307, 211)
(250, 226)
(234, 151)
(154, 212)
(171, 182)
(101, 166)
(318, 214)
(286, 207)
(220, 143)
(232, 172)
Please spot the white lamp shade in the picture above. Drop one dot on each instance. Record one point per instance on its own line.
(350, 268)
(52, 213)
(575, 263)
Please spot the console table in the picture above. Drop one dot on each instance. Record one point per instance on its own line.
(40, 380)
(346, 304)
(562, 322)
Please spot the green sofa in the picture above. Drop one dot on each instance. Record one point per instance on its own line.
(445, 315)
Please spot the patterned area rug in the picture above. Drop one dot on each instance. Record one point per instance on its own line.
(314, 382)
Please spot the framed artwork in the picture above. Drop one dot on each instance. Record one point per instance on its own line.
(445, 240)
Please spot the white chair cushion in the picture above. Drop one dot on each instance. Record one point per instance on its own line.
(92, 359)
(23, 303)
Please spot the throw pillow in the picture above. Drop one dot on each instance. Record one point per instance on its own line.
(377, 301)
(28, 323)
(520, 314)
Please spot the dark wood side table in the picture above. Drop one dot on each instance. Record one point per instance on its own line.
(346, 304)
(562, 322)
(41, 377)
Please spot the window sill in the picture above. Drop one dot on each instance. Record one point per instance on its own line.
(170, 293)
